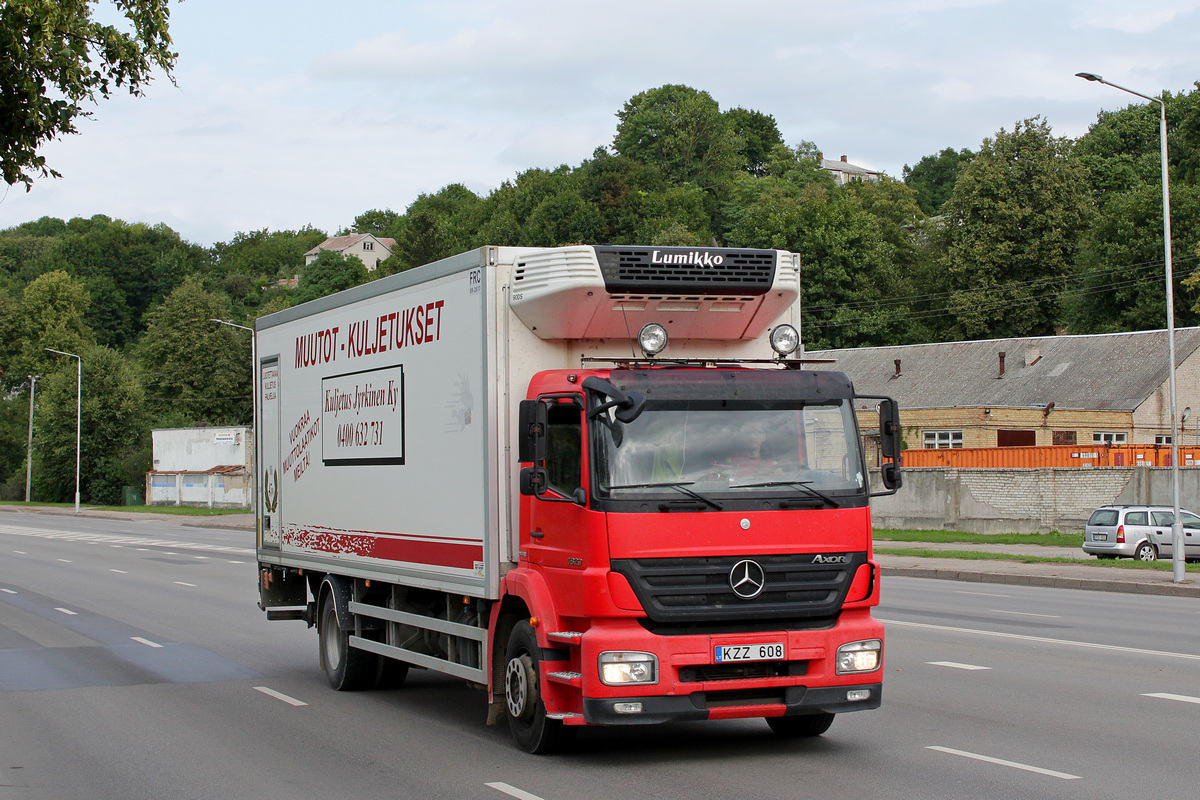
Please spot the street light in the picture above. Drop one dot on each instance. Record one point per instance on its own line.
(33, 379)
(254, 389)
(253, 355)
(1177, 554)
(78, 408)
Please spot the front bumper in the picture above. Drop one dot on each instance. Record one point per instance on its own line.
(691, 687)
(797, 700)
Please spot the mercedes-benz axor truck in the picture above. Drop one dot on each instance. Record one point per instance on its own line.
(597, 482)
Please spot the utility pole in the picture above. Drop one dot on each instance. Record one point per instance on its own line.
(29, 447)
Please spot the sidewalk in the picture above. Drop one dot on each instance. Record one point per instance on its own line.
(1084, 575)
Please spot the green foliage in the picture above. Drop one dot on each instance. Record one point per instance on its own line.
(266, 253)
(1012, 233)
(113, 429)
(934, 176)
(54, 57)
(760, 136)
(195, 367)
(51, 314)
(683, 132)
(330, 272)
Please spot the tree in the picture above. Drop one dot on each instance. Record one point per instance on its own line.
(114, 438)
(194, 366)
(934, 176)
(759, 135)
(1012, 230)
(683, 132)
(330, 272)
(54, 56)
(52, 314)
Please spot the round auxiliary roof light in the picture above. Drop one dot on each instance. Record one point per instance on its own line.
(652, 338)
(785, 340)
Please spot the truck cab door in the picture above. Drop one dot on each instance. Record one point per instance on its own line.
(554, 525)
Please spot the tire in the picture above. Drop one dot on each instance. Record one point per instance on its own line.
(346, 668)
(1145, 552)
(390, 674)
(801, 726)
(532, 730)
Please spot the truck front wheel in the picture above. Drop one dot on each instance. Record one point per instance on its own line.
(527, 720)
(806, 725)
(346, 668)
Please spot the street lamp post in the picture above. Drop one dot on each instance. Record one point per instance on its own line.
(1177, 554)
(78, 415)
(254, 389)
(29, 446)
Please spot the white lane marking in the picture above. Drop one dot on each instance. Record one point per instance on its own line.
(512, 791)
(65, 560)
(7, 591)
(1024, 613)
(1066, 776)
(985, 594)
(116, 546)
(181, 583)
(237, 562)
(119, 571)
(1183, 698)
(67, 611)
(1045, 640)
(955, 665)
(146, 642)
(116, 540)
(202, 558)
(280, 696)
(20, 552)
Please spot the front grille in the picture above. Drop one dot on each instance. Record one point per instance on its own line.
(699, 589)
(682, 270)
(756, 670)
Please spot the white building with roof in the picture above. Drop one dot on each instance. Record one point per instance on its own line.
(366, 247)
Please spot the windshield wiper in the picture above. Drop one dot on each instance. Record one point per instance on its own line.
(798, 484)
(680, 486)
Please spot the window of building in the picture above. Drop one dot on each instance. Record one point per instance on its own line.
(1016, 438)
(1162, 440)
(941, 440)
(1064, 437)
(368, 245)
(1108, 437)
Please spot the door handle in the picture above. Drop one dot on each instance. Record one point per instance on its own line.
(536, 534)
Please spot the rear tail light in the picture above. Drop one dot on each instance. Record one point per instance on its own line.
(1121, 535)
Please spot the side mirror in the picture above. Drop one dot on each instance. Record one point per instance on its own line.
(532, 419)
(534, 481)
(889, 428)
(889, 472)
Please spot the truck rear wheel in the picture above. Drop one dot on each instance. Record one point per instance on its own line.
(346, 668)
(796, 727)
(527, 720)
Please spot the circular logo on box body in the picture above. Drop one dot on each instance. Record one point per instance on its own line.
(747, 579)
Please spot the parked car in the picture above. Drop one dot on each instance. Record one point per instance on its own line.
(1141, 532)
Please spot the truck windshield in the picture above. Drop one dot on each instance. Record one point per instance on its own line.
(727, 449)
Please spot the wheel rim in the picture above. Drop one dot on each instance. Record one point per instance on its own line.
(1146, 553)
(331, 634)
(517, 686)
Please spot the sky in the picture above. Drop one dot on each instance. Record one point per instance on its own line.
(286, 113)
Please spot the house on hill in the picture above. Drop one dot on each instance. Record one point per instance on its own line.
(367, 247)
(844, 172)
(1050, 390)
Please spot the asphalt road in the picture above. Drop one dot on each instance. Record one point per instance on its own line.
(135, 664)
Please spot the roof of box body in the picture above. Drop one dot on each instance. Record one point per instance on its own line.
(1116, 371)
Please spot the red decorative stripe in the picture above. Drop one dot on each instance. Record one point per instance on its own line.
(386, 547)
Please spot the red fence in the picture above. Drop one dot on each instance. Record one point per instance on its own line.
(1122, 455)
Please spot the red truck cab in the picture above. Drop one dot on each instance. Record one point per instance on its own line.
(695, 543)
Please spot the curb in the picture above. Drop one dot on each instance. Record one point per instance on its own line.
(1187, 589)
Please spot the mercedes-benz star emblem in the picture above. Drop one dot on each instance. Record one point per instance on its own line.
(747, 579)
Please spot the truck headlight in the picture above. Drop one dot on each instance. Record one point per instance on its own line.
(619, 667)
(859, 656)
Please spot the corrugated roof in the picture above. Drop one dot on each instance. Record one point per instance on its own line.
(1115, 371)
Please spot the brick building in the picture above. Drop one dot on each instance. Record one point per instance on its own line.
(1064, 390)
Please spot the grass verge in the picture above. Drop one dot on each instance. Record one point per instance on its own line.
(182, 511)
(1054, 539)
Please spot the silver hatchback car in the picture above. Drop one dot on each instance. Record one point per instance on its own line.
(1141, 532)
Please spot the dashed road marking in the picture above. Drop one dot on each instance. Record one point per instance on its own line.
(512, 791)
(146, 642)
(1024, 614)
(1182, 698)
(181, 583)
(140, 542)
(280, 696)
(119, 571)
(955, 665)
(67, 611)
(1066, 776)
